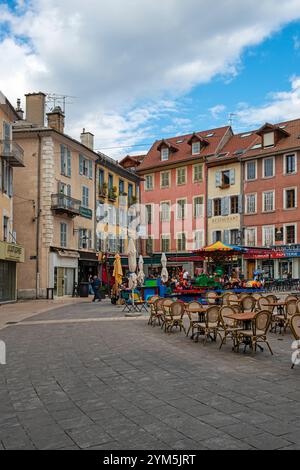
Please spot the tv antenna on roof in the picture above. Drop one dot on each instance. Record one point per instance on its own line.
(55, 99)
(230, 118)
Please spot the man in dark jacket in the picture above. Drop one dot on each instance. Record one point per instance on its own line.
(96, 288)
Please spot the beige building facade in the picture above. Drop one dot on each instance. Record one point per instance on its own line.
(56, 218)
(11, 156)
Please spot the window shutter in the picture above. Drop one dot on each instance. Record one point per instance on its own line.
(90, 239)
(226, 236)
(68, 190)
(226, 205)
(62, 159)
(232, 176)
(223, 206)
(80, 164)
(68, 162)
(214, 237)
(90, 169)
(240, 204)
(10, 181)
(218, 179)
(209, 208)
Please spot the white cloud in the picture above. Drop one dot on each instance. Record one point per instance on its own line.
(217, 110)
(280, 106)
(114, 54)
(296, 41)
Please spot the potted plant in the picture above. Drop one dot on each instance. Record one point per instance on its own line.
(103, 189)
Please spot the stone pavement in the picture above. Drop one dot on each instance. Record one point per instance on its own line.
(85, 377)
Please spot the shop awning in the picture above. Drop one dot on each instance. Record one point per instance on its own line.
(68, 254)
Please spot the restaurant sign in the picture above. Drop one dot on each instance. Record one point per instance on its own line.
(12, 252)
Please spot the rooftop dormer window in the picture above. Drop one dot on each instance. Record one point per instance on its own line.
(164, 154)
(268, 139)
(195, 148)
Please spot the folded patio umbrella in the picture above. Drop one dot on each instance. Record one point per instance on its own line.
(164, 272)
(118, 271)
(141, 274)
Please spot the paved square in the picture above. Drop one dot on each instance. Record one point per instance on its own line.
(84, 376)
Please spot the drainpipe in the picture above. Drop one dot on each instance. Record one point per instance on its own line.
(38, 217)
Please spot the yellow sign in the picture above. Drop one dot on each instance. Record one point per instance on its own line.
(12, 252)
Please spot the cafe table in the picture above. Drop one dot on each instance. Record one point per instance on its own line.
(280, 304)
(201, 310)
(246, 319)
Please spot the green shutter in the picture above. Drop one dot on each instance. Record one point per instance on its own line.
(68, 162)
(90, 169)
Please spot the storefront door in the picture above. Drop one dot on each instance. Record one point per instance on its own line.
(69, 281)
(7, 281)
(250, 268)
(60, 281)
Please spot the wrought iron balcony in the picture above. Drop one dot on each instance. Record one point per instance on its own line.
(62, 204)
(12, 152)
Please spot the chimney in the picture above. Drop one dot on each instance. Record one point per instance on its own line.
(87, 139)
(19, 110)
(35, 108)
(56, 119)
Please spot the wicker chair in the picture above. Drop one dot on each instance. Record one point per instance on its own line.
(232, 298)
(298, 305)
(211, 324)
(256, 296)
(272, 298)
(193, 316)
(295, 328)
(156, 312)
(211, 297)
(248, 303)
(225, 298)
(228, 326)
(175, 317)
(258, 332)
(291, 297)
(264, 304)
(165, 306)
(290, 309)
(243, 295)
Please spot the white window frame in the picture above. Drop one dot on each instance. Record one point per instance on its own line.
(263, 168)
(263, 201)
(284, 163)
(194, 238)
(185, 173)
(246, 203)
(185, 208)
(165, 236)
(194, 168)
(202, 211)
(255, 235)
(161, 178)
(160, 210)
(164, 154)
(267, 134)
(181, 233)
(284, 232)
(146, 213)
(296, 198)
(246, 170)
(153, 184)
(198, 143)
(263, 233)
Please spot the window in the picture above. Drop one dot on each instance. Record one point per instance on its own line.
(165, 179)
(110, 182)
(130, 192)
(195, 148)
(268, 139)
(268, 235)
(251, 170)
(268, 201)
(85, 196)
(290, 198)
(234, 205)
(5, 228)
(164, 154)
(198, 239)
(85, 238)
(217, 206)
(268, 167)
(235, 238)
(149, 246)
(250, 203)
(65, 161)
(251, 236)
(101, 179)
(148, 182)
(198, 173)
(85, 167)
(290, 164)
(165, 211)
(181, 208)
(181, 242)
(198, 207)
(290, 234)
(165, 243)
(217, 236)
(225, 178)
(148, 213)
(112, 243)
(121, 187)
(181, 176)
(63, 235)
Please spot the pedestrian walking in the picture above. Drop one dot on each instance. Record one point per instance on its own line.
(96, 288)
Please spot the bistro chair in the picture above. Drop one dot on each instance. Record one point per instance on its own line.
(290, 297)
(225, 298)
(258, 332)
(211, 324)
(295, 329)
(165, 306)
(290, 310)
(193, 316)
(211, 297)
(243, 295)
(156, 312)
(271, 298)
(228, 326)
(298, 305)
(232, 298)
(264, 304)
(256, 296)
(248, 303)
(175, 317)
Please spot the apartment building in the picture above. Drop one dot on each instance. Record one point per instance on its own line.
(56, 220)
(173, 192)
(271, 198)
(11, 157)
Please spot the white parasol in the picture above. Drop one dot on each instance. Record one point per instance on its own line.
(141, 274)
(132, 265)
(164, 272)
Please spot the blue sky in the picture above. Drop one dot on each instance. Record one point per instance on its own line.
(140, 71)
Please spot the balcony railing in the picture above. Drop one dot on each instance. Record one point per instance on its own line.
(60, 203)
(12, 152)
